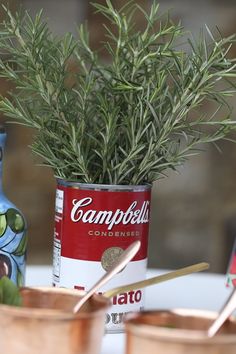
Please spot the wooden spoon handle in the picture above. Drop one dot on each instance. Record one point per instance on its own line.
(158, 279)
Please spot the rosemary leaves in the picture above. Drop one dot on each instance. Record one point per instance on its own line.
(127, 121)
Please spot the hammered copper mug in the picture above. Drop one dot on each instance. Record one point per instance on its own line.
(45, 323)
(180, 331)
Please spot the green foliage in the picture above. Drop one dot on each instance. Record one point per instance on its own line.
(127, 121)
(9, 292)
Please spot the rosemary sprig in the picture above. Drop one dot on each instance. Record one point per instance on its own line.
(126, 122)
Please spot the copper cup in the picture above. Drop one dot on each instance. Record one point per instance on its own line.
(45, 323)
(177, 332)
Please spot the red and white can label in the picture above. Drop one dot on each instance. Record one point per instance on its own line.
(92, 228)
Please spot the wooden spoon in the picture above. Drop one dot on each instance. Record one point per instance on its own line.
(158, 279)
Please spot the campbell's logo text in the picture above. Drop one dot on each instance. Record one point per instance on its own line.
(132, 215)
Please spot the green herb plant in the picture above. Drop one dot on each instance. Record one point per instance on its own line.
(127, 121)
(9, 292)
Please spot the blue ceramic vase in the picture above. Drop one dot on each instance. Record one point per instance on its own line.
(13, 239)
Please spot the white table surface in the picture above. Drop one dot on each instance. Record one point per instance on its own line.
(199, 291)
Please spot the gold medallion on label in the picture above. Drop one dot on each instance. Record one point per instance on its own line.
(109, 257)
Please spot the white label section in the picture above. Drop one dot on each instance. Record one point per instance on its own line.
(59, 201)
(79, 273)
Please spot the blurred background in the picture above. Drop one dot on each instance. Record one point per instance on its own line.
(193, 212)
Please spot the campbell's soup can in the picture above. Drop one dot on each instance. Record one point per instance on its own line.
(94, 224)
